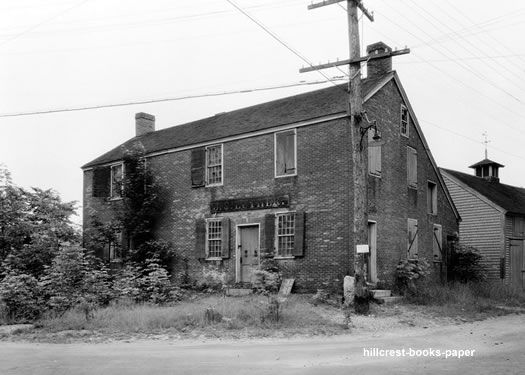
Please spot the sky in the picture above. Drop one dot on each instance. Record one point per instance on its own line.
(465, 74)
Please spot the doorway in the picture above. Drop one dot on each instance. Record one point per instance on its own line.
(247, 251)
(517, 263)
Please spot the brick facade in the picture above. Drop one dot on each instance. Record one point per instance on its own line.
(322, 189)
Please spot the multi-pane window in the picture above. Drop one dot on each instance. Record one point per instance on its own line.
(285, 234)
(412, 167)
(285, 152)
(404, 121)
(214, 165)
(116, 182)
(214, 238)
(432, 198)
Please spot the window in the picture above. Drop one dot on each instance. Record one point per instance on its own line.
(518, 226)
(115, 246)
(405, 119)
(412, 167)
(285, 230)
(431, 198)
(213, 238)
(116, 185)
(285, 153)
(437, 243)
(412, 248)
(374, 155)
(214, 165)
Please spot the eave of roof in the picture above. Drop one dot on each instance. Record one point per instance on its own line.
(509, 198)
(486, 162)
(312, 105)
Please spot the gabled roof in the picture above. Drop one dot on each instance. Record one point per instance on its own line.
(293, 109)
(486, 162)
(508, 197)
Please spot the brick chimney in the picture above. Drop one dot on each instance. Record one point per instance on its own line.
(144, 123)
(378, 67)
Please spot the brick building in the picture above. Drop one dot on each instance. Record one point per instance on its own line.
(275, 180)
(493, 219)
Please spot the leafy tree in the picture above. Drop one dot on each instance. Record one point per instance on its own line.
(33, 224)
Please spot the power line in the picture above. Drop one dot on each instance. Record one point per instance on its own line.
(278, 39)
(16, 36)
(150, 101)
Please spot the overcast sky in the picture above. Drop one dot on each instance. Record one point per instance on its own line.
(464, 76)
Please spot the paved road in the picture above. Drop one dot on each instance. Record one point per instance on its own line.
(499, 346)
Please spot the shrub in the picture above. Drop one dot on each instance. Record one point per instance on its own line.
(20, 297)
(409, 272)
(465, 264)
(213, 279)
(155, 283)
(267, 278)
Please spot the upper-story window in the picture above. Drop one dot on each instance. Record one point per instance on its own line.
(405, 118)
(286, 153)
(214, 165)
(116, 181)
(432, 198)
(412, 167)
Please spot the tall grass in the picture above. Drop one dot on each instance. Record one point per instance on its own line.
(296, 314)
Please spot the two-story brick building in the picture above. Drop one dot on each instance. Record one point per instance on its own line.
(276, 179)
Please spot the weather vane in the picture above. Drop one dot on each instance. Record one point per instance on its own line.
(486, 143)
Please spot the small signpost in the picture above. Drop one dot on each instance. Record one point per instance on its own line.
(285, 290)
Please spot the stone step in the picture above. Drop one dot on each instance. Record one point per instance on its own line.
(390, 300)
(238, 292)
(378, 293)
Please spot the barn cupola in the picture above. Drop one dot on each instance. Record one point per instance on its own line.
(487, 169)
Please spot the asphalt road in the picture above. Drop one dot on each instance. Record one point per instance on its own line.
(498, 345)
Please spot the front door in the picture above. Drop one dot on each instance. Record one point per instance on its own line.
(248, 252)
(517, 263)
(372, 255)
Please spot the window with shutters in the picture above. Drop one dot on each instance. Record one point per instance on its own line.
(437, 242)
(405, 118)
(412, 246)
(213, 238)
(285, 153)
(285, 234)
(116, 181)
(214, 165)
(411, 167)
(518, 226)
(431, 198)
(374, 156)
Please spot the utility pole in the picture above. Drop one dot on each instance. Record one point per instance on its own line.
(359, 163)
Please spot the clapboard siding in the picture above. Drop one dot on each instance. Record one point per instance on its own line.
(481, 225)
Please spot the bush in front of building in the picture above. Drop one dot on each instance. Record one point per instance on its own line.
(410, 273)
(466, 264)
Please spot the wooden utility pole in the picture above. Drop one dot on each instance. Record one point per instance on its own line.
(359, 163)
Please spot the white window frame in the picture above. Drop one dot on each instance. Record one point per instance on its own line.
(275, 153)
(433, 208)
(206, 164)
(111, 196)
(278, 254)
(407, 133)
(207, 245)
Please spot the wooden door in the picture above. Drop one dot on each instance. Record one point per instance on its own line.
(517, 265)
(248, 252)
(372, 255)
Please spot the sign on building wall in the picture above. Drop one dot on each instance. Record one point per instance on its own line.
(246, 204)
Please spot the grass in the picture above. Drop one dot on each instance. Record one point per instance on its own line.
(471, 300)
(246, 314)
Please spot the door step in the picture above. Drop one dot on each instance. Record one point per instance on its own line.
(379, 293)
(238, 292)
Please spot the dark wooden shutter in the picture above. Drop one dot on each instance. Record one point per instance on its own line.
(200, 239)
(298, 249)
(501, 268)
(269, 233)
(101, 181)
(225, 237)
(198, 167)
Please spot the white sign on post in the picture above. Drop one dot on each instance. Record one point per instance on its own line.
(362, 249)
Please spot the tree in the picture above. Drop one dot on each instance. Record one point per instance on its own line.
(33, 224)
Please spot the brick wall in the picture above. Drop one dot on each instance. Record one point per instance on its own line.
(322, 189)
